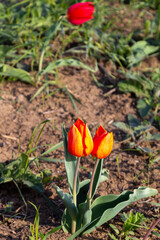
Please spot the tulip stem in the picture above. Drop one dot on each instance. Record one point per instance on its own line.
(75, 192)
(91, 183)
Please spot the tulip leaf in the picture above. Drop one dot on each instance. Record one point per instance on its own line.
(104, 208)
(87, 217)
(104, 175)
(84, 217)
(68, 202)
(66, 221)
(84, 186)
(85, 213)
(97, 176)
(83, 190)
(70, 162)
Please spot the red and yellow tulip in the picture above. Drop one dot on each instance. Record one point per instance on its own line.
(103, 143)
(80, 142)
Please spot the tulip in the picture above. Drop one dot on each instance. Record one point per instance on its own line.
(80, 142)
(103, 143)
(80, 13)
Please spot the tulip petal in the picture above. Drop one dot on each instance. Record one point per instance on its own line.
(80, 142)
(75, 146)
(100, 131)
(80, 125)
(102, 145)
(79, 21)
(88, 141)
(80, 13)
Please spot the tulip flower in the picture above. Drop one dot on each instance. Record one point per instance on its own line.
(80, 13)
(103, 143)
(80, 142)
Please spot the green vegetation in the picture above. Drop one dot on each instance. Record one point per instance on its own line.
(36, 41)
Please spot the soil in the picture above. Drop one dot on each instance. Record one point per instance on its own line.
(18, 118)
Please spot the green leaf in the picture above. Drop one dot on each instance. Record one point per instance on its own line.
(36, 222)
(66, 62)
(114, 228)
(124, 127)
(58, 145)
(156, 234)
(19, 171)
(70, 162)
(106, 207)
(85, 214)
(34, 135)
(133, 121)
(83, 190)
(132, 86)
(140, 50)
(39, 91)
(84, 186)
(33, 181)
(112, 236)
(4, 49)
(142, 129)
(14, 170)
(155, 137)
(52, 231)
(68, 202)
(51, 31)
(156, 159)
(97, 176)
(104, 175)
(66, 221)
(143, 149)
(133, 221)
(47, 159)
(71, 97)
(143, 107)
(6, 70)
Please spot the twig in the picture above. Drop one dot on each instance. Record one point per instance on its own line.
(102, 69)
(151, 228)
(9, 137)
(110, 92)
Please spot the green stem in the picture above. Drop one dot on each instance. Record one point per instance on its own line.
(75, 192)
(73, 226)
(91, 182)
(21, 196)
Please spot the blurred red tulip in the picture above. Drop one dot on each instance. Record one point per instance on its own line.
(103, 143)
(80, 13)
(80, 142)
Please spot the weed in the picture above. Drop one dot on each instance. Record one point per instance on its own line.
(131, 223)
(19, 171)
(35, 234)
